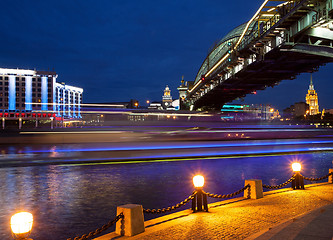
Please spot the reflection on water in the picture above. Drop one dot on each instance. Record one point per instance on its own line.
(72, 200)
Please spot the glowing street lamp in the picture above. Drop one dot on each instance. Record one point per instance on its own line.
(21, 225)
(296, 167)
(198, 181)
(200, 198)
(298, 181)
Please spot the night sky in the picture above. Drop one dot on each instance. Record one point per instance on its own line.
(118, 50)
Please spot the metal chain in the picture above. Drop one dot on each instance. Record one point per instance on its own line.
(99, 230)
(279, 186)
(168, 209)
(318, 179)
(227, 195)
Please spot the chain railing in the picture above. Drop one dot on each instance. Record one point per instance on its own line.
(318, 179)
(174, 207)
(212, 195)
(280, 185)
(195, 195)
(99, 230)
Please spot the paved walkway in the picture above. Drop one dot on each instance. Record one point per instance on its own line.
(281, 214)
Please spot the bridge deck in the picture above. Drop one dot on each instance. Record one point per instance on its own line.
(279, 64)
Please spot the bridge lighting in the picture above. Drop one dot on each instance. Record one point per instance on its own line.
(21, 225)
(296, 167)
(198, 181)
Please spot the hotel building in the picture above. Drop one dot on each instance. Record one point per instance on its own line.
(36, 94)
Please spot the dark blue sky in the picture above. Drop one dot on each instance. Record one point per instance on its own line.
(118, 50)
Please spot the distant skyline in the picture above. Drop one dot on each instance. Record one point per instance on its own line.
(124, 49)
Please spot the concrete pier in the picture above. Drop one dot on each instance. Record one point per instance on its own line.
(280, 214)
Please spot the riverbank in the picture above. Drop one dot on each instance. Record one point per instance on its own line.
(281, 214)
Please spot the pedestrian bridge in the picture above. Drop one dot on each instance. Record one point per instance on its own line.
(281, 40)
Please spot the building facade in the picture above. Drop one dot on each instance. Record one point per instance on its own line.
(301, 109)
(239, 112)
(31, 94)
(26, 90)
(67, 101)
(312, 99)
(166, 98)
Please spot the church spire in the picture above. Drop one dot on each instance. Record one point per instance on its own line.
(311, 87)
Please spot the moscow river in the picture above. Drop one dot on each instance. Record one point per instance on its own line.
(70, 198)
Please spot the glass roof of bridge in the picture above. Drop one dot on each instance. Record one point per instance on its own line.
(222, 47)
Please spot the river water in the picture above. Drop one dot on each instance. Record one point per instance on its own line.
(71, 200)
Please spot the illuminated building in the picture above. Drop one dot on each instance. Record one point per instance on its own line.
(166, 98)
(155, 105)
(67, 101)
(26, 90)
(312, 99)
(238, 112)
(33, 95)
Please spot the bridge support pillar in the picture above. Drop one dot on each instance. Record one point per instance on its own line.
(133, 221)
(255, 189)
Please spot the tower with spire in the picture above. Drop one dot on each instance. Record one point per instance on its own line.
(312, 99)
(166, 98)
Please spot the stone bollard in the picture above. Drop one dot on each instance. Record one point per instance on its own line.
(255, 189)
(133, 221)
(330, 178)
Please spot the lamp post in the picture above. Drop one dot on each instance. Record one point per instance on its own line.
(21, 225)
(200, 199)
(298, 181)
